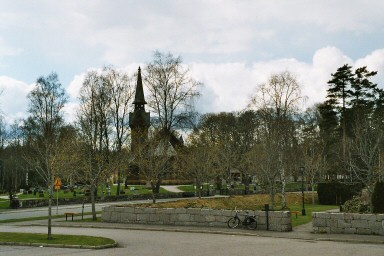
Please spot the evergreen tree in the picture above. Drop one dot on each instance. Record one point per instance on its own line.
(362, 89)
(337, 96)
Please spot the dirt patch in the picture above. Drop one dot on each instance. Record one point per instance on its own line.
(249, 202)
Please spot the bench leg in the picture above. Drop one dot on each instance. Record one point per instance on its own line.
(66, 217)
(72, 217)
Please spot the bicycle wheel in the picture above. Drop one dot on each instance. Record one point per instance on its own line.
(233, 222)
(251, 223)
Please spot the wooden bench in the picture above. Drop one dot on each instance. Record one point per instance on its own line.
(295, 212)
(69, 214)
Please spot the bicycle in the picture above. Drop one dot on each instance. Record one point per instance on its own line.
(249, 221)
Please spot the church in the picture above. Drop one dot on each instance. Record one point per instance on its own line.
(140, 123)
(139, 119)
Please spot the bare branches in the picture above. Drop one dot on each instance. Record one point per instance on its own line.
(278, 101)
(172, 90)
(47, 100)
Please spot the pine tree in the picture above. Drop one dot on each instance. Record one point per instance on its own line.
(337, 95)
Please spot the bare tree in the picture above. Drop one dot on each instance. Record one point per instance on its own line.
(47, 100)
(69, 155)
(198, 160)
(312, 148)
(154, 158)
(121, 93)
(263, 157)
(279, 99)
(172, 91)
(221, 131)
(94, 120)
(364, 152)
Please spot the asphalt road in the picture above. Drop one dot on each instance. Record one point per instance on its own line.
(140, 242)
(43, 211)
(61, 209)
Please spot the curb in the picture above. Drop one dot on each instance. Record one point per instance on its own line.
(288, 235)
(73, 246)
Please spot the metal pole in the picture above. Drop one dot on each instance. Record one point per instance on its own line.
(57, 201)
(303, 212)
(82, 211)
(266, 208)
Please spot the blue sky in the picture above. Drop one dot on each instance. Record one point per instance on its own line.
(230, 46)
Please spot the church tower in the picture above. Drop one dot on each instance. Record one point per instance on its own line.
(139, 120)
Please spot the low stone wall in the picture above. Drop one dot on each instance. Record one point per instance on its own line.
(278, 221)
(348, 223)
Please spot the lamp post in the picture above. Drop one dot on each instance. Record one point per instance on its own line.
(303, 212)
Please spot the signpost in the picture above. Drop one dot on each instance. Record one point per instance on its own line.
(58, 184)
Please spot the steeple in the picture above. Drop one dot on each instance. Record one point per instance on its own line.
(139, 119)
(139, 95)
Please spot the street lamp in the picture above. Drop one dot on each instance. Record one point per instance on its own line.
(303, 212)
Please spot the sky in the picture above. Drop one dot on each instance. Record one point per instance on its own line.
(231, 46)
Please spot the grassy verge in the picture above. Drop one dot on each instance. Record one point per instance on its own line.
(309, 209)
(28, 238)
(45, 218)
(98, 219)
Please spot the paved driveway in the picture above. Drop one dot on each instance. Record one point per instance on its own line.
(142, 242)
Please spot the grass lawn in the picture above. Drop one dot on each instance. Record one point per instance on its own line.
(187, 188)
(309, 209)
(131, 190)
(57, 239)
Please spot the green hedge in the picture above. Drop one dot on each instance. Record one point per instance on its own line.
(378, 197)
(336, 193)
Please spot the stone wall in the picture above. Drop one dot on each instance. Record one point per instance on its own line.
(348, 223)
(278, 221)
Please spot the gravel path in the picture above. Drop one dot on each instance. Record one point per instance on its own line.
(173, 189)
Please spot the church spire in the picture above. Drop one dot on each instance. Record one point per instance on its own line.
(139, 95)
(139, 119)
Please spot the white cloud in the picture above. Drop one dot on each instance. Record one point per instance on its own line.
(74, 86)
(70, 111)
(227, 86)
(14, 102)
(374, 62)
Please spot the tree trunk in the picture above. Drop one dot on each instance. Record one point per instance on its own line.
(154, 189)
(272, 195)
(92, 192)
(198, 187)
(313, 191)
(118, 182)
(283, 183)
(272, 199)
(158, 183)
(246, 186)
(50, 195)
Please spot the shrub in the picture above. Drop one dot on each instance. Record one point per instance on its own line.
(378, 198)
(14, 203)
(355, 205)
(333, 193)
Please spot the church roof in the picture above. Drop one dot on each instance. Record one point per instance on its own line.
(139, 95)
